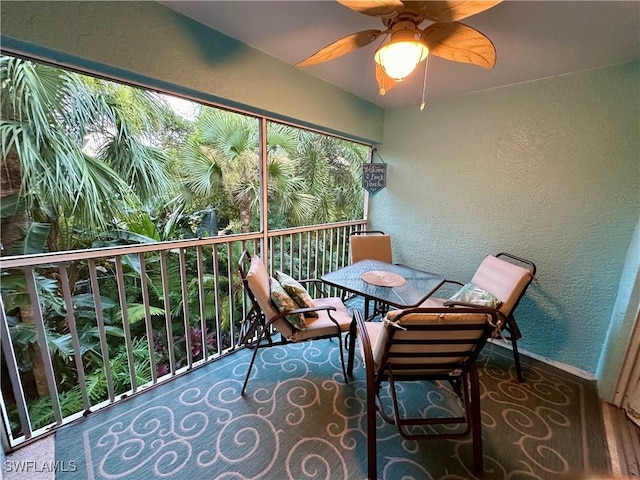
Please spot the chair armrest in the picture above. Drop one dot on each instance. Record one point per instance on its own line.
(317, 283)
(500, 319)
(364, 340)
(453, 303)
(300, 310)
(445, 284)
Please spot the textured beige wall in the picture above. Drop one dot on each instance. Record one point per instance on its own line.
(147, 42)
(548, 170)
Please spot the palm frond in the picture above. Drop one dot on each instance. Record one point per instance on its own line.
(230, 133)
(202, 172)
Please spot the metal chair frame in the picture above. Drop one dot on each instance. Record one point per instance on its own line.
(379, 308)
(508, 322)
(460, 371)
(256, 322)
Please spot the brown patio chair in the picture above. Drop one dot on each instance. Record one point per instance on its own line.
(505, 277)
(417, 345)
(371, 245)
(332, 317)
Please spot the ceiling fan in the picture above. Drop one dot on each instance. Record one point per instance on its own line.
(409, 44)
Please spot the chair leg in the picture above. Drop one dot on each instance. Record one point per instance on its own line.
(253, 359)
(514, 335)
(352, 347)
(372, 454)
(379, 308)
(251, 322)
(476, 422)
(344, 370)
(516, 359)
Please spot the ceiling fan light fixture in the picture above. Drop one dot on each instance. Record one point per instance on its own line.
(402, 54)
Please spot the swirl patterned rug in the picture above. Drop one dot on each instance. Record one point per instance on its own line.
(300, 421)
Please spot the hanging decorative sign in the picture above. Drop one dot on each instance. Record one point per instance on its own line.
(374, 177)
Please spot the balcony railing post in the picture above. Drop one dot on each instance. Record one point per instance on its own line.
(73, 330)
(104, 348)
(215, 259)
(185, 307)
(230, 271)
(14, 377)
(167, 311)
(42, 343)
(201, 298)
(124, 309)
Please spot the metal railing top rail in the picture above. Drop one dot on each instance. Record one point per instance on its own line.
(18, 261)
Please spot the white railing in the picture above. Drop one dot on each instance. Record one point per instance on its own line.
(97, 326)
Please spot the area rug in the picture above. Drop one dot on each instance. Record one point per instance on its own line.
(300, 420)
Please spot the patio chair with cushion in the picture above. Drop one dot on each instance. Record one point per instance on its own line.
(371, 245)
(286, 306)
(418, 345)
(499, 282)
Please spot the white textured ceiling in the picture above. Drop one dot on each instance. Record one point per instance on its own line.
(533, 40)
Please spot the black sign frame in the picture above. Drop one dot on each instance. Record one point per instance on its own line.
(374, 177)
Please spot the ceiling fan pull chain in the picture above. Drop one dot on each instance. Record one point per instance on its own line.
(424, 83)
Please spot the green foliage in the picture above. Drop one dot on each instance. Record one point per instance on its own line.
(10, 205)
(102, 164)
(41, 411)
(15, 294)
(136, 312)
(34, 240)
(97, 381)
(45, 134)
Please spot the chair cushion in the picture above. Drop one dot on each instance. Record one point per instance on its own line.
(504, 280)
(373, 332)
(297, 292)
(258, 279)
(471, 293)
(284, 302)
(370, 247)
(380, 335)
(323, 325)
(259, 284)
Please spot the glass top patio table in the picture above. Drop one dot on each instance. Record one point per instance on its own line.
(417, 286)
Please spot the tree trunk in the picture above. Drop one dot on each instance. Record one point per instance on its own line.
(245, 218)
(37, 365)
(11, 231)
(12, 226)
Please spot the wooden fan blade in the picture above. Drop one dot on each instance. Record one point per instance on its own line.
(459, 43)
(385, 82)
(451, 11)
(374, 8)
(341, 47)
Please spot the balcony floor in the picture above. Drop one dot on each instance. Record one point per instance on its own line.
(299, 414)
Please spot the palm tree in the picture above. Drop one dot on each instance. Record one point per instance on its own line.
(42, 159)
(221, 165)
(48, 177)
(332, 169)
(43, 167)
